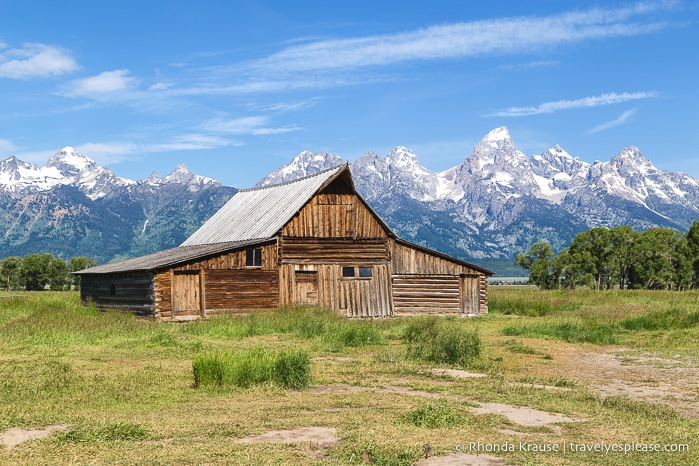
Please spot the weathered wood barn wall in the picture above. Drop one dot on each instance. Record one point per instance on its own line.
(312, 241)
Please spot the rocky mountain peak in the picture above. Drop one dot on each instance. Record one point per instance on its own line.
(305, 163)
(69, 162)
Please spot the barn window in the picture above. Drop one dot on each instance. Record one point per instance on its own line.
(356, 272)
(253, 257)
(112, 290)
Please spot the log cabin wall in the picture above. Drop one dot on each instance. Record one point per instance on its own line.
(130, 290)
(423, 282)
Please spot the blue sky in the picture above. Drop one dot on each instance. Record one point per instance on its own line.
(235, 89)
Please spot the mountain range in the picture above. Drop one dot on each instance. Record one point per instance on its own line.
(74, 207)
(486, 209)
(498, 201)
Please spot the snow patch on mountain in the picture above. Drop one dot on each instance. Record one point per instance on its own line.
(67, 167)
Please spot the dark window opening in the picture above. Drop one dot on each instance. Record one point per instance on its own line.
(253, 257)
(356, 272)
(112, 290)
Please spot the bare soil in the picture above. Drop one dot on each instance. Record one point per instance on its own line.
(643, 377)
(13, 437)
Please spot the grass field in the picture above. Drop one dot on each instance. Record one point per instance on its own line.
(615, 368)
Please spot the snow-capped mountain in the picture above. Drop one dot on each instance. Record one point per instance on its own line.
(498, 201)
(306, 163)
(72, 206)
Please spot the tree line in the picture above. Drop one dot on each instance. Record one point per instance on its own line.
(604, 258)
(37, 272)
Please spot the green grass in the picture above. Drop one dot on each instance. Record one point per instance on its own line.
(256, 366)
(130, 393)
(435, 415)
(442, 341)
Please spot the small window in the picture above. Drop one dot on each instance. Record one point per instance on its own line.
(356, 272)
(112, 290)
(253, 257)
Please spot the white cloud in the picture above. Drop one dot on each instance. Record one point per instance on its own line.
(470, 39)
(255, 125)
(110, 153)
(623, 118)
(36, 60)
(585, 102)
(104, 83)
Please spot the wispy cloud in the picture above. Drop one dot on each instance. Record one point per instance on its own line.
(318, 64)
(585, 102)
(103, 83)
(253, 125)
(7, 147)
(113, 152)
(35, 60)
(623, 118)
(468, 39)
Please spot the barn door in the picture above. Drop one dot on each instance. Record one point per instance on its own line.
(306, 283)
(471, 294)
(186, 294)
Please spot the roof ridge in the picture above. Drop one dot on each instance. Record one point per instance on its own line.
(336, 167)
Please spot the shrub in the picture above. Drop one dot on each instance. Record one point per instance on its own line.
(286, 368)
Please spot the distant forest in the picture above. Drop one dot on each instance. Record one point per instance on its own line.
(620, 257)
(37, 272)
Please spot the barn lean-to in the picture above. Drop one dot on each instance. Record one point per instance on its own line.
(311, 241)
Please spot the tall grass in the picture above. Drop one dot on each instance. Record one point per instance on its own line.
(257, 366)
(307, 323)
(442, 341)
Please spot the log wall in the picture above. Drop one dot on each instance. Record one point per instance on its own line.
(132, 291)
(420, 283)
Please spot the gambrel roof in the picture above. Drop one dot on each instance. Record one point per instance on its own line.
(259, 213)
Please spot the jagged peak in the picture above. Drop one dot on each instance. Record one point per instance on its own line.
(68, 156)
(498, 134)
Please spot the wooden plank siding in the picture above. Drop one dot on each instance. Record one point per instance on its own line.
(354, 297)
(334, 216)
(234, 290)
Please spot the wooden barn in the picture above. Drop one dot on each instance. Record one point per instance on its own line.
(311, 241)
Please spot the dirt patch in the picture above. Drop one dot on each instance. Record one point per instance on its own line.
(524, 416)
(519, 415)
(13, 437)
(645, 377)
(461, 459)
(456, 374)
(320, 438)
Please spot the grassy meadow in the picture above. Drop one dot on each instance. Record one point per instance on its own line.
(135, 391)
